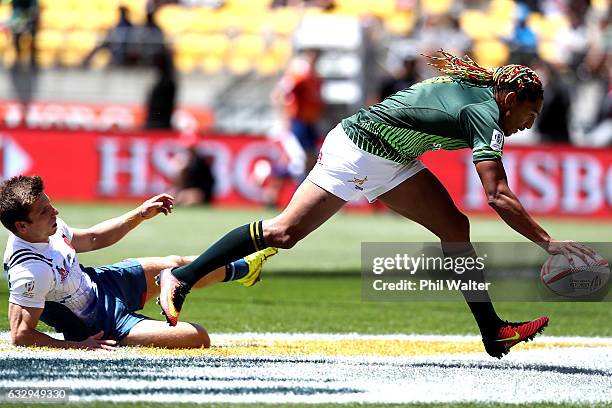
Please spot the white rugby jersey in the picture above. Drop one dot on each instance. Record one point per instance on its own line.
(40, 272)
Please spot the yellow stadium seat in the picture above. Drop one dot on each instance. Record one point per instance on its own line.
(382, 8)
(58, 19)
(282, 21)
(8, 57)
(50, 40)
(211, 64)
(45, 59)
(5, 40)
(171, 18)
(185, 63)
(81, 41)
(503, 9)
(5, 12)
(268, 65)
(216, 45)
(282, 50)
(239, 65)
(247, 7)
(475, 24)
(203, 20)
(490, 53)
(436, 6)
(248, 45)
(401, 23)
(192, 44)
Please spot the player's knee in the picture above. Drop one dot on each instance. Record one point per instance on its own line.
(174, 261)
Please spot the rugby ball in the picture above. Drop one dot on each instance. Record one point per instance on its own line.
(581, 279)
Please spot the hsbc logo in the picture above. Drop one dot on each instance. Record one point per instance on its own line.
(14, 160)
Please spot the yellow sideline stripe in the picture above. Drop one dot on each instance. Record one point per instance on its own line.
(334, 348)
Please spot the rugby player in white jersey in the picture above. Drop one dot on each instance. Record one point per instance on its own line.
(94, 308)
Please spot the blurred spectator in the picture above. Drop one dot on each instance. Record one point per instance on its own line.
(436, 31)
(118, 41)
(193, 181)
(24, 20)
(147, 40)
(404, 77)
(524, 39)
(162, 98)
(327, 5)
(299, 94)
(553, 122)
(601, 134)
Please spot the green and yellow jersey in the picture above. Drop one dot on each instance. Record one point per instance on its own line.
(439, 113)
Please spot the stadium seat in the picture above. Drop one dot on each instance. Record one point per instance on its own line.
(51, 40)
(282, 21)
(211, 64)
(185, 63)
(171, 18)
(192, 44)
(203, 20)
(490, 53)
(5, 40)
(58, 19)
(436, 6)
(400, 24)
(248, 45)
(268, 65)
(216, 45)
(475, 24)
(5, 12)
(239, 64)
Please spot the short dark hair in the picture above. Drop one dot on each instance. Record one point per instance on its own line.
(17, 195)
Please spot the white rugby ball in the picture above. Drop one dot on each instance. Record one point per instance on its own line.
(582, 279)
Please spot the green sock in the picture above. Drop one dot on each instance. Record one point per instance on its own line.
(236, 244)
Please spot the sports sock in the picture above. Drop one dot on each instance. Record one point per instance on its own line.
(236, 244)
(478, 301)
(236, 270)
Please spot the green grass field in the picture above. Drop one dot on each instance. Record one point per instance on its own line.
(315, 287)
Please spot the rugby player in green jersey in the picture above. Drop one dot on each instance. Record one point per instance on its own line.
(375, 153)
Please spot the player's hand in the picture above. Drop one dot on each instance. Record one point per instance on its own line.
(160, 204)
(569, 248)
(95, 342)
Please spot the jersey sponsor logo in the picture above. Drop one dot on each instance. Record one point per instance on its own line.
(435, 146)
(29, 289)
(497, 140)
(358, 182)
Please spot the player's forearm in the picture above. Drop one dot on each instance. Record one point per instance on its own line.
(111, 231)
(34, 338)
(512, 212)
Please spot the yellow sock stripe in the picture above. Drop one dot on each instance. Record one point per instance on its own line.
(258, 235)
(252, 230)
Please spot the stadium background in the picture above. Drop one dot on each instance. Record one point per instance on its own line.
(82, 129)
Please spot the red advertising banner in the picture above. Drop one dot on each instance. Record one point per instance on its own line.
(85, 166)
(96, 117)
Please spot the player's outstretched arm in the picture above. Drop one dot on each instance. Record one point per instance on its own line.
(23, 321)
(110, 231)
(507, 205)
